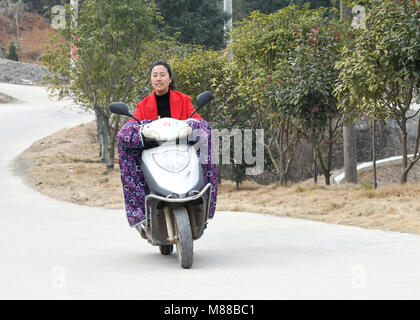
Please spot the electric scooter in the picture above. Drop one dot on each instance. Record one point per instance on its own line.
(177, 207)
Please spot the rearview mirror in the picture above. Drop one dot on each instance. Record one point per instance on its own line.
(120, 108)
(204, 98)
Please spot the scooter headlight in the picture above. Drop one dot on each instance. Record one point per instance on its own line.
(173, 161)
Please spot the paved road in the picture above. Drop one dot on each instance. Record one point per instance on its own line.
(56, 250)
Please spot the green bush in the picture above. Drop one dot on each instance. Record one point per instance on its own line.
(12, 53)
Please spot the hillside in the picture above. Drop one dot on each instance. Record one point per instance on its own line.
(33, 36)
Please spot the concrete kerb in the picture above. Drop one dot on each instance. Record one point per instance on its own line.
(367, 165)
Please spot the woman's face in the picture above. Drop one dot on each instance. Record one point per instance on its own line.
(160, 79)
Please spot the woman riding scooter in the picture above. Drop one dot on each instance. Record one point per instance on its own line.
(165, 101)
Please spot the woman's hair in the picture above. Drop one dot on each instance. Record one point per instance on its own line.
(162, 63)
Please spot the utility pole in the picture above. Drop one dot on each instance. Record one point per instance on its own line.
(349, 132)
(74, 6)
(227, 7)
(228, 26)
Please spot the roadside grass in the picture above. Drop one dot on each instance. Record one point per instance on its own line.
(66, 166)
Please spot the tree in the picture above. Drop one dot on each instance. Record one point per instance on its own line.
(282, 77)
(261, 45)
(380, 74)
(12, 53)
(195, 21)
(112, 38)
(308, 90)
(197, 72)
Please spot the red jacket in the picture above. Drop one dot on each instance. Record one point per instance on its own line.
(179, 103)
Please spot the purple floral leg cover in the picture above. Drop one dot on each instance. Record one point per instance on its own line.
(130, 147)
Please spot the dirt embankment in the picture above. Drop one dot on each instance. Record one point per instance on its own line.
(66, 166)
(31, 35)
(6, 99)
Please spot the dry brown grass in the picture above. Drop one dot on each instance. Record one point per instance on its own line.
(66, 166)
(392, 207)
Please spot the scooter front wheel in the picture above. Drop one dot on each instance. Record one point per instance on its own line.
(184, 243)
